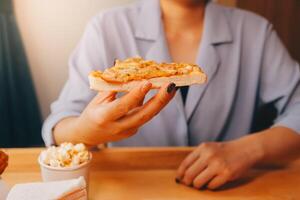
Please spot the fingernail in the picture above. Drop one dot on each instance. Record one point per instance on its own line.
(177, 180)
(171, 88)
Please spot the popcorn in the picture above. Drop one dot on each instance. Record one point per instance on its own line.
(65, 155)
(79, 147)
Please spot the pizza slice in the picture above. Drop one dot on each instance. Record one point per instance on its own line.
(126, 74)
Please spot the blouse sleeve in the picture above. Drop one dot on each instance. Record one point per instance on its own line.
(280, 82)
(76, 94)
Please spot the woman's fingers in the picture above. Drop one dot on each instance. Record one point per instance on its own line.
(186, 163)
(149, 109)
(121, 118)
(196, 168)
(204, 177)
(122, 106)
(217, 181)
(205, 166)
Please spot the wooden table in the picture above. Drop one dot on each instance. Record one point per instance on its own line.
(148, 173)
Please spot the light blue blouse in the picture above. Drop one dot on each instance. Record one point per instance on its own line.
(246, 63)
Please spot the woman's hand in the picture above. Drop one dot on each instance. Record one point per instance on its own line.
(213, 164)
(108, 119)
(3, 161)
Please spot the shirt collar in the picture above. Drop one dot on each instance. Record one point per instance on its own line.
(216, 24)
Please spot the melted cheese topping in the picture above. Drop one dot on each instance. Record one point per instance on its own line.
(138, 69)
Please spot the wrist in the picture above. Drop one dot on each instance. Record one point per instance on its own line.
(84, 132)
(78, 130)
(253, 145)
(64, 130)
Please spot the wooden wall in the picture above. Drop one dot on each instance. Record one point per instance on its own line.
(227, 2)
(284, 14)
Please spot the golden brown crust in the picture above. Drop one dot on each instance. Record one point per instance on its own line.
(133, 69)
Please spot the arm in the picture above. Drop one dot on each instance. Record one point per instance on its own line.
(107, 119)
(79, 115)
(277, 143)
(214, 164)
(76, 94)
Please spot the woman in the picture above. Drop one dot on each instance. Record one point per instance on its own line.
(3, 161)
(247, 67)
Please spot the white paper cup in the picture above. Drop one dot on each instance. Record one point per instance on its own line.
(59, 173)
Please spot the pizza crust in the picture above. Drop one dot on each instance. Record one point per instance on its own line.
(97, 83)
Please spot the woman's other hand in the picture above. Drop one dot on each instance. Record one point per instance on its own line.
(213, 164)
(107, 119)
(3, 161)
